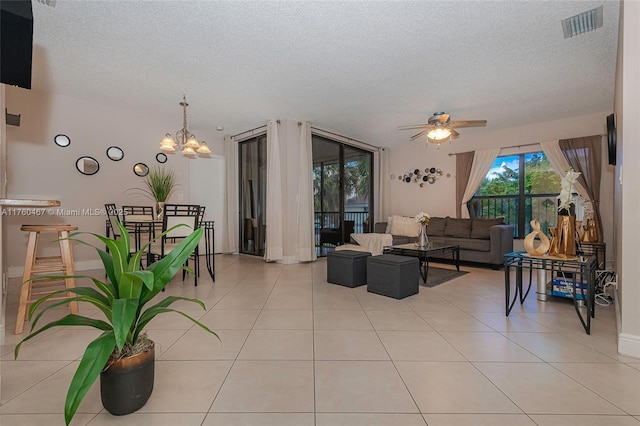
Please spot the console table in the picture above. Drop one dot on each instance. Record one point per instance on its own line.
(582, 270)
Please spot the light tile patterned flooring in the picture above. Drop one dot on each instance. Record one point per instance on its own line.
(296, 350)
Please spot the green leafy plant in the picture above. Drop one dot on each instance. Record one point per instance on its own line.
(122, 301)
(160, 183)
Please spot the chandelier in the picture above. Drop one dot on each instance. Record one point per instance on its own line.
(184, 141)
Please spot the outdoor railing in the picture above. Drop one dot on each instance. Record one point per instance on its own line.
(538, 206)
(332, 220)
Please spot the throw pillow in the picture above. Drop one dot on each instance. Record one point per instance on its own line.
(481, 228)
(436, 226)
(458, 228)
(405, 226)
(389, 220)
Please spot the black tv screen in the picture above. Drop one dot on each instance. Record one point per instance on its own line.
(16, 49)
(612, 139)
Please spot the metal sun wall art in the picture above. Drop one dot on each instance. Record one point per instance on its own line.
(422, 177)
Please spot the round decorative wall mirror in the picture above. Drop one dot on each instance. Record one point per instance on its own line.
(87, 165)
(62, 140)
(161, 157)
(141, 169)
(114, 153)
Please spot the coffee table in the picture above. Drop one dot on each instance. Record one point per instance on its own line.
(423, 254)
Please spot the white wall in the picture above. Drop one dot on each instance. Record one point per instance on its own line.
(207, 180)
(438, 199)
(628, 125)
(37, 168)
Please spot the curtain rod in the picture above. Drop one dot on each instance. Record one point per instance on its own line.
(502, 147)
(373, 147)
(253, 130)
(506, 147)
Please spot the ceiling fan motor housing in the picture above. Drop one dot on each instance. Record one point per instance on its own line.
(436, 119)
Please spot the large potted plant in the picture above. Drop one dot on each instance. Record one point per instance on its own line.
(160, 183)
(122, 355)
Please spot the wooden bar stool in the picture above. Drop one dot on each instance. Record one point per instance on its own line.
(35, 266)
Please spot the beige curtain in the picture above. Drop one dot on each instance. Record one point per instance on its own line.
(584, 155)
(383, 194)
(274, 244)
(305, 246)
(559, 163)
(230, 213)
(464, 160)
(482, 161)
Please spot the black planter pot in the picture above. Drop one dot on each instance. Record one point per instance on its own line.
(126, 384)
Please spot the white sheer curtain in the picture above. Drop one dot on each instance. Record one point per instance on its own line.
(230, 213)
(305, 248)
(560, 164)
(482, 161)
(274, 247)
(383, 196)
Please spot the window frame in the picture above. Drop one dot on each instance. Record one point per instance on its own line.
(521, 198)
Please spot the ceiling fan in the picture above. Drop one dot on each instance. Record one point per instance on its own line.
(440, 128)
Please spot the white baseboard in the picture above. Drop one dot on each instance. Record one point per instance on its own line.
(82, 265)
(629, 345)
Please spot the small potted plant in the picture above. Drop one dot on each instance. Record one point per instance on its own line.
(122, 355)
(160, 183)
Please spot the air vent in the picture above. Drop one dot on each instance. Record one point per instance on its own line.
(582, 23)
(51, 3)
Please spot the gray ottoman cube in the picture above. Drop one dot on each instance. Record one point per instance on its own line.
(347, 267)
(393, 276)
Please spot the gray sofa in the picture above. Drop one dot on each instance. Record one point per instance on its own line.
(480, 240)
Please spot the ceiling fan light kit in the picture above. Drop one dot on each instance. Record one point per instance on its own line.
(439, 135)
(440, 129)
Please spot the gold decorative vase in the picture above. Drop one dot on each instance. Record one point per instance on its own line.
(566, 236)
(553, 241)
(590, 234)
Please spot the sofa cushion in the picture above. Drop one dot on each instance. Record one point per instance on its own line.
(406, 226)
(436, 226)
(459, 228)
(480, 228)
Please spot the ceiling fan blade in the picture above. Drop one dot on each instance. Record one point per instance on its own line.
(416, 136)
(444, 118)
(414, 126)
(454, 134)
(468, 123)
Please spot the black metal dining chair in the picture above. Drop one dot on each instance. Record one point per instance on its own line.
(139, 221)
(177, 214)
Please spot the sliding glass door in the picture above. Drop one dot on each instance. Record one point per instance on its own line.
(343, 188)
(252, 160)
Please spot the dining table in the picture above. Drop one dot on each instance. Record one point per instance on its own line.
(147, 224)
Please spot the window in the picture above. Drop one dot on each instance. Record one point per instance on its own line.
(342, 188)
(519, 188)
(252, 187)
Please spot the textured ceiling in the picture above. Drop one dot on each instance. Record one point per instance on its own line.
(356, 68)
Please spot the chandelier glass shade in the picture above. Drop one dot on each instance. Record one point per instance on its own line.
(439, 135)
(184, 141)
